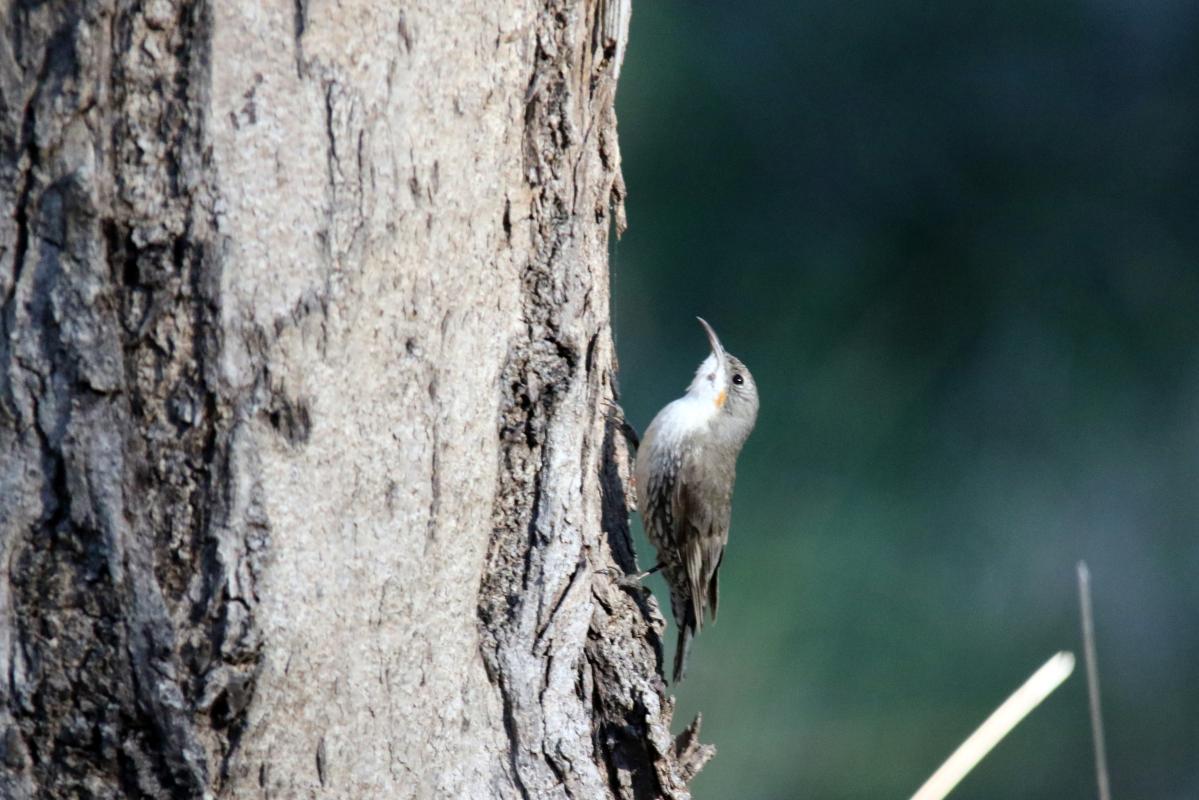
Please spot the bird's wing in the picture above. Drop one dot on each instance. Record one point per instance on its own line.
(700, 510)
(714, 584)
(655, 488)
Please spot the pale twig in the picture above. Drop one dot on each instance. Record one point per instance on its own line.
(1092, 660)
(996, 726)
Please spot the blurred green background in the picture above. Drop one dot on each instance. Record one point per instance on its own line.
(957, 245)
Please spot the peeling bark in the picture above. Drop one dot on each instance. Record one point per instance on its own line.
(307, 483)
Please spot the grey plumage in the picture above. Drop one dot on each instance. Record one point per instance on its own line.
(686, 467)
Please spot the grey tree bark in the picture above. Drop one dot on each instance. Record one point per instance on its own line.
(307, 486)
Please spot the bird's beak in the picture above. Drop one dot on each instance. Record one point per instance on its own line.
(713, 340)
(722, 378)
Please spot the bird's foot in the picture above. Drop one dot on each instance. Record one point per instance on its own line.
(615, 414)
(629, 581)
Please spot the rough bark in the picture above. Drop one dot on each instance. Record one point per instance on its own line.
(306, 480)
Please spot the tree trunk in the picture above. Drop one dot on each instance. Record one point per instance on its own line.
(307, 485)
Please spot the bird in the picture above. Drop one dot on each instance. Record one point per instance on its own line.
(684, 473)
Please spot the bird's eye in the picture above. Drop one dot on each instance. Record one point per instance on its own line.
(737, 379)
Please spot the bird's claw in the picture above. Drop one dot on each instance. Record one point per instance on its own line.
(615, 415)
(624, 580)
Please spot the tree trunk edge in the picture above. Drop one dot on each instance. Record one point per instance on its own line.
(529, 566)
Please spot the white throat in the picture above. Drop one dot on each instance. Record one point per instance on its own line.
(705, 399)
(711, 383)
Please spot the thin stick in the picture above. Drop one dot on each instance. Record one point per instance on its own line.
(995, 727)
(1088, 649)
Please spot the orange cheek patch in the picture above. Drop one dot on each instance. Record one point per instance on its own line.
(721, 398)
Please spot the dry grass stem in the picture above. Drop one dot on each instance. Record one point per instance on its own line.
(1092, 661)
(996, 726)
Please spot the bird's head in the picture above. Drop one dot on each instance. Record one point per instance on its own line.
(724, 381)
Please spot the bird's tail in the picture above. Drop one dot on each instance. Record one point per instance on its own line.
(686, 632)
